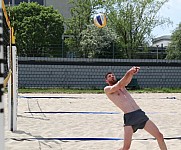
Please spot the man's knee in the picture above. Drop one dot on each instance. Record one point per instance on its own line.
(160, 136)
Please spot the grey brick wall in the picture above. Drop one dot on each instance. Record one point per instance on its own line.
(89, 73)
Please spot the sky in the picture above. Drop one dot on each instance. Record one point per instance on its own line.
(172, 10)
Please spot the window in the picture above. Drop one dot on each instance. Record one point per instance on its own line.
(19, 1)
(7, 2)
(38, 1)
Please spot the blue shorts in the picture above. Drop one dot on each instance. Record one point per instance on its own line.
(137, 119)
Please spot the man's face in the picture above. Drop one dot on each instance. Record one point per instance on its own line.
(111, 79)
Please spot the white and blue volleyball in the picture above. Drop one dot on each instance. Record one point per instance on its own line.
(100, 20)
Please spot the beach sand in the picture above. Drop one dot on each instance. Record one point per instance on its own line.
(90, 116)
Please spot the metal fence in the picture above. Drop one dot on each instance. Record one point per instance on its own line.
(42, 72)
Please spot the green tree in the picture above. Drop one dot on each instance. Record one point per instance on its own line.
(174, 48)
(38, 29)
(97, 43)
(133, 21)
(81, 16)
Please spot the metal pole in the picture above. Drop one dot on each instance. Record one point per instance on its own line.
(45, 3)
(113, 50)
(62, 44)
(157, 52)
(13, 3)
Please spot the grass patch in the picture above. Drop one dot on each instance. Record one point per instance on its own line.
(95, 91)
(158, 90)
(59, 90)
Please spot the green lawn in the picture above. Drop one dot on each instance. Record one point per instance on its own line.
(96, 91)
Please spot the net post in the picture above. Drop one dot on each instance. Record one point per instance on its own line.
(12, 75)
(1, 81)
(10, 104)
(13, 90)
(15, 87)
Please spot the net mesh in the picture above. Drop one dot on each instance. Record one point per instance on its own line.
(6, 43)
(1, 82)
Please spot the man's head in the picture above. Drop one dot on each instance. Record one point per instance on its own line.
(110, 78)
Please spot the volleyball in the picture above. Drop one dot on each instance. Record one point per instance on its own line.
(100, 20)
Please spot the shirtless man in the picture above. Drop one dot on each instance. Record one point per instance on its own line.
(134, 117)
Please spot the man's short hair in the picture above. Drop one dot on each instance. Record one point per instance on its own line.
(108, 74)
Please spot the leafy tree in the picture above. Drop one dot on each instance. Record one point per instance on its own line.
(97, 42)
(38, 29)
(133, 21)
(174, 48)
(81, 16)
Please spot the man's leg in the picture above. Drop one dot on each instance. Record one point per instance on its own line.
(151, 128)
(128, 132)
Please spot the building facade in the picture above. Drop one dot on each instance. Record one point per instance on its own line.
(16, 2)
(162, 41)
(62, 6)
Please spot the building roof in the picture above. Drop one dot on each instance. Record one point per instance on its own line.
(162, 38)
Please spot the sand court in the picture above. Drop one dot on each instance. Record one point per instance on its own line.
(89, 122)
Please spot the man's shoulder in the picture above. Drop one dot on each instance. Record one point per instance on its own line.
(106, 88)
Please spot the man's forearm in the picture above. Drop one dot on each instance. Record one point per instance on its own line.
(126, 79)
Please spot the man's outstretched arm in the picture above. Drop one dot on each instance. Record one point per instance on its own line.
(123, 82)
(128, 76)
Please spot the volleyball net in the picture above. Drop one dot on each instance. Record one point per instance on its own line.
(1, 81)
(10, 68)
